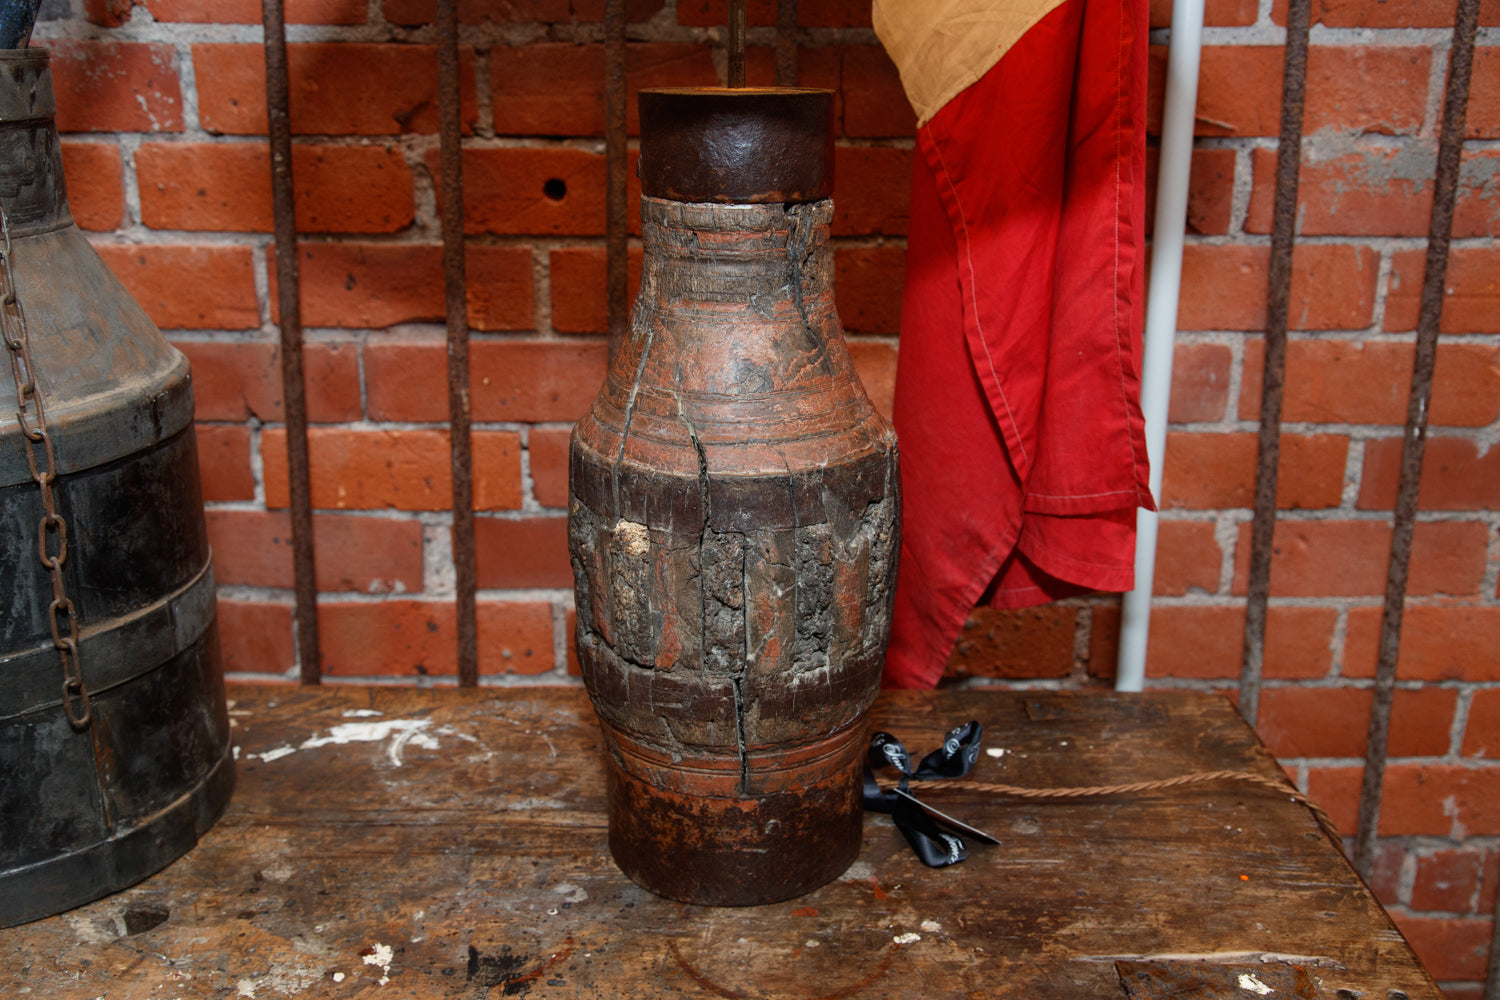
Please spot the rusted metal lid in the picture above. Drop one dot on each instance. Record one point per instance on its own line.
(745, 145)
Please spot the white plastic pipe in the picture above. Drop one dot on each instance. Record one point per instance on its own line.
(1181, 101)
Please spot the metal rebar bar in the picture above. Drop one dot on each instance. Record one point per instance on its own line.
(616, 247)
(1440, 229)
(289, 295)
(455, 290)
(1283, 237)
(736, 43)
(786, 43)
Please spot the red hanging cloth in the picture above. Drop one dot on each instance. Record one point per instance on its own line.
(1023, 453)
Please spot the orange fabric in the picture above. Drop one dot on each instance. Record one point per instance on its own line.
(1017, 391)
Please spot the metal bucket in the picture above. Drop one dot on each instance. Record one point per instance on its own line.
(114, 739)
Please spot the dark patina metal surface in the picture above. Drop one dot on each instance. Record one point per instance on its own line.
(739, 145)
(88, 809)
(734, 526)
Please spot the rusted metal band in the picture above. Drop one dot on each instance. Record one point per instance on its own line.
(616, 246)
(115, 651)
(1440, 230)
(1283, 237)
(786, 43)
(749, 145)
(455, 289)
(289, 297)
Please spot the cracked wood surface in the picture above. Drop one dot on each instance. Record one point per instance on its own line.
(413, 844)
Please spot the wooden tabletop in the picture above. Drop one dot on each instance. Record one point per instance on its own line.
(387, 842)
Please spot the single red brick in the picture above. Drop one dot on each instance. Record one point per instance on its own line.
(217, 186)
(1200, 382)
(1366, 89)
(1483, 118)
(1333, 722)
(404, 470)
(1187, 558)
(224, 462)
(1376, 191)
(867, 285)
(1448, 947)
(526, 552)
(578, 276)
(337, 88)
(108, 13)
(518, 380)
(1212, 471)
(548, 449)
(382, 284)
(1224, 287)
(1385, 13)
(1210, 204)
(197, 287)
(543, 191)
(872, 190)
(234, 381)
(255, 637)
(554, 88)
(1359, 382)
(1471, 291)
(1455, 476)
(375, 555)
(1447, 880)
(501, 288)
(1216, 13)
(1207, 642)
(875, 104)
(876, 366)
(1440, 800)
(117, 86)
(1023, 642)
(1482, 735)
(1385, 876)
(1438, 642)
(515, 637)
(96, 186)
(249, 12)
(413, 13)
(1349, 558)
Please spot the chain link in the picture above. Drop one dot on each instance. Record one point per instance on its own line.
(52, 531)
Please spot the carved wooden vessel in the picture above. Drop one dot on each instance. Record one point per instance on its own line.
(734, 516)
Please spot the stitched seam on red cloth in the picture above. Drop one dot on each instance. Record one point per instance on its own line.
(967, 266)
(1123, 104)
(1100, 576)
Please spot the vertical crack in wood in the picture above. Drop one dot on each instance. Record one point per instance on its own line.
(635, 388)
(801, 225)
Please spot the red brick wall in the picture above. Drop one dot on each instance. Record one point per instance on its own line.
(163, 110)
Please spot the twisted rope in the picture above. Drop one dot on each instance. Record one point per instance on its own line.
(1101, 791)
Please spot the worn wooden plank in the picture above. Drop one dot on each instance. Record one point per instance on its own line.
(465, 832)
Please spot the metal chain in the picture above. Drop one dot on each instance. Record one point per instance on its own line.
(52, 532)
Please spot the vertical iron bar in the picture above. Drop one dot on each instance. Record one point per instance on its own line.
(289, 294)
(786, 43)
(616, 249)
(456, 295)
(1283, 236)
(736, 43)
(1440, 229)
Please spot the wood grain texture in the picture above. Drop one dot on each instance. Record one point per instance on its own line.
(465, 832)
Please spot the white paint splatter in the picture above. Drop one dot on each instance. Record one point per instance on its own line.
(277, 873)
(338, 977)
(362, 713)
(931, 926)
(246, 988)
(812, 943)
(996, 752)
(1249, 982)
(571, 893)
(907, 938)
(273, 754)
(381, 955)
(860, 871)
